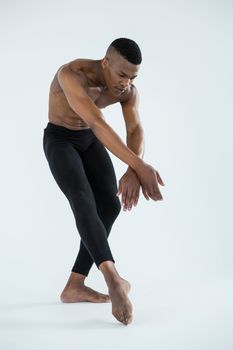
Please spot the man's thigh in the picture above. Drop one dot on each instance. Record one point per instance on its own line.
(100, 171)
(67, 168)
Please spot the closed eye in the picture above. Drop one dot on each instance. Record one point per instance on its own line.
(123, 76)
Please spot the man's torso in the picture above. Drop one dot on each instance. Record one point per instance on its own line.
(61, 113)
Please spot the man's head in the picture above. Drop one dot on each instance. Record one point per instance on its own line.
(121, 64)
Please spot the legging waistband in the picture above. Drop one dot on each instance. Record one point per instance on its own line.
(63, 130)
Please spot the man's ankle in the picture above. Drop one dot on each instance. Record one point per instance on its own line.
(77, 277)
(109, 271)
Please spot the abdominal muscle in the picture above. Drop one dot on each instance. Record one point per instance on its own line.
(60, 113)
(68, 122)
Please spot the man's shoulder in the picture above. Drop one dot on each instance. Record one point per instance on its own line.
(79, 63)
(77, 68)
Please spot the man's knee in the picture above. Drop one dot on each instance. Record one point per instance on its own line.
(117, 205)
(109, 207)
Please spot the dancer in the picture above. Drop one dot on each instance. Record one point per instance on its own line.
(75, 141)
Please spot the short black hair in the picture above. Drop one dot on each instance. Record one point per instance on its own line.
(129, 49)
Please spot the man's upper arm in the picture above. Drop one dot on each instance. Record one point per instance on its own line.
(73, 85)
(130, 112)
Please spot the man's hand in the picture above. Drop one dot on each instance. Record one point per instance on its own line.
(149, 179)
(129, 188)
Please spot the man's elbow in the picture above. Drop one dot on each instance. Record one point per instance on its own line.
(137, 129)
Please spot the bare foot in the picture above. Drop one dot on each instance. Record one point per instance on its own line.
(121, 305)
(76, 294)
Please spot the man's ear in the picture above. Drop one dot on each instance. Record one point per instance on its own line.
(104, 62)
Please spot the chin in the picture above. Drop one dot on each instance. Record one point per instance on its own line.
(116, 91)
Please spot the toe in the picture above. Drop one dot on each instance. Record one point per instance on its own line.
(121, 319)
(105, 296)
(105, 300)
(118, 316)
(125, 318)
(128, 319)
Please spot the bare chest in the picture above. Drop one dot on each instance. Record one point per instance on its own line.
(101, 98)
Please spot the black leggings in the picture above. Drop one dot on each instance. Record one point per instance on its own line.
(82, 168)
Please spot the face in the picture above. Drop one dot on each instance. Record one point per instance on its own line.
(119, 74)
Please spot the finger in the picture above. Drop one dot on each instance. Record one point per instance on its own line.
(119, 189)
(131, 200)
(136, 199)
(152, 196)
(152, 193)
(159, 179)
(128, 199)
(123, 197)
(145, 193)
(157, 194)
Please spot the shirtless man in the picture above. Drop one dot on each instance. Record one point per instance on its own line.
(74, 144)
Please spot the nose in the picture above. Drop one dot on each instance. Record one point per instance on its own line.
(125, 83)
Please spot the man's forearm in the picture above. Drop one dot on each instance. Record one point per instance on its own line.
(136, 142)
(114, 143)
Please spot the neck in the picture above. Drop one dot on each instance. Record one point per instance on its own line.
(100, 79)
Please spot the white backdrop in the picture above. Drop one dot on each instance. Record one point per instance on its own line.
(177, 254)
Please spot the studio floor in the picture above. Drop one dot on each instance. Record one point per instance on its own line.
(174, 315)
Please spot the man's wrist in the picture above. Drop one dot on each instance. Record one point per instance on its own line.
(130, 170)
(137, 165)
